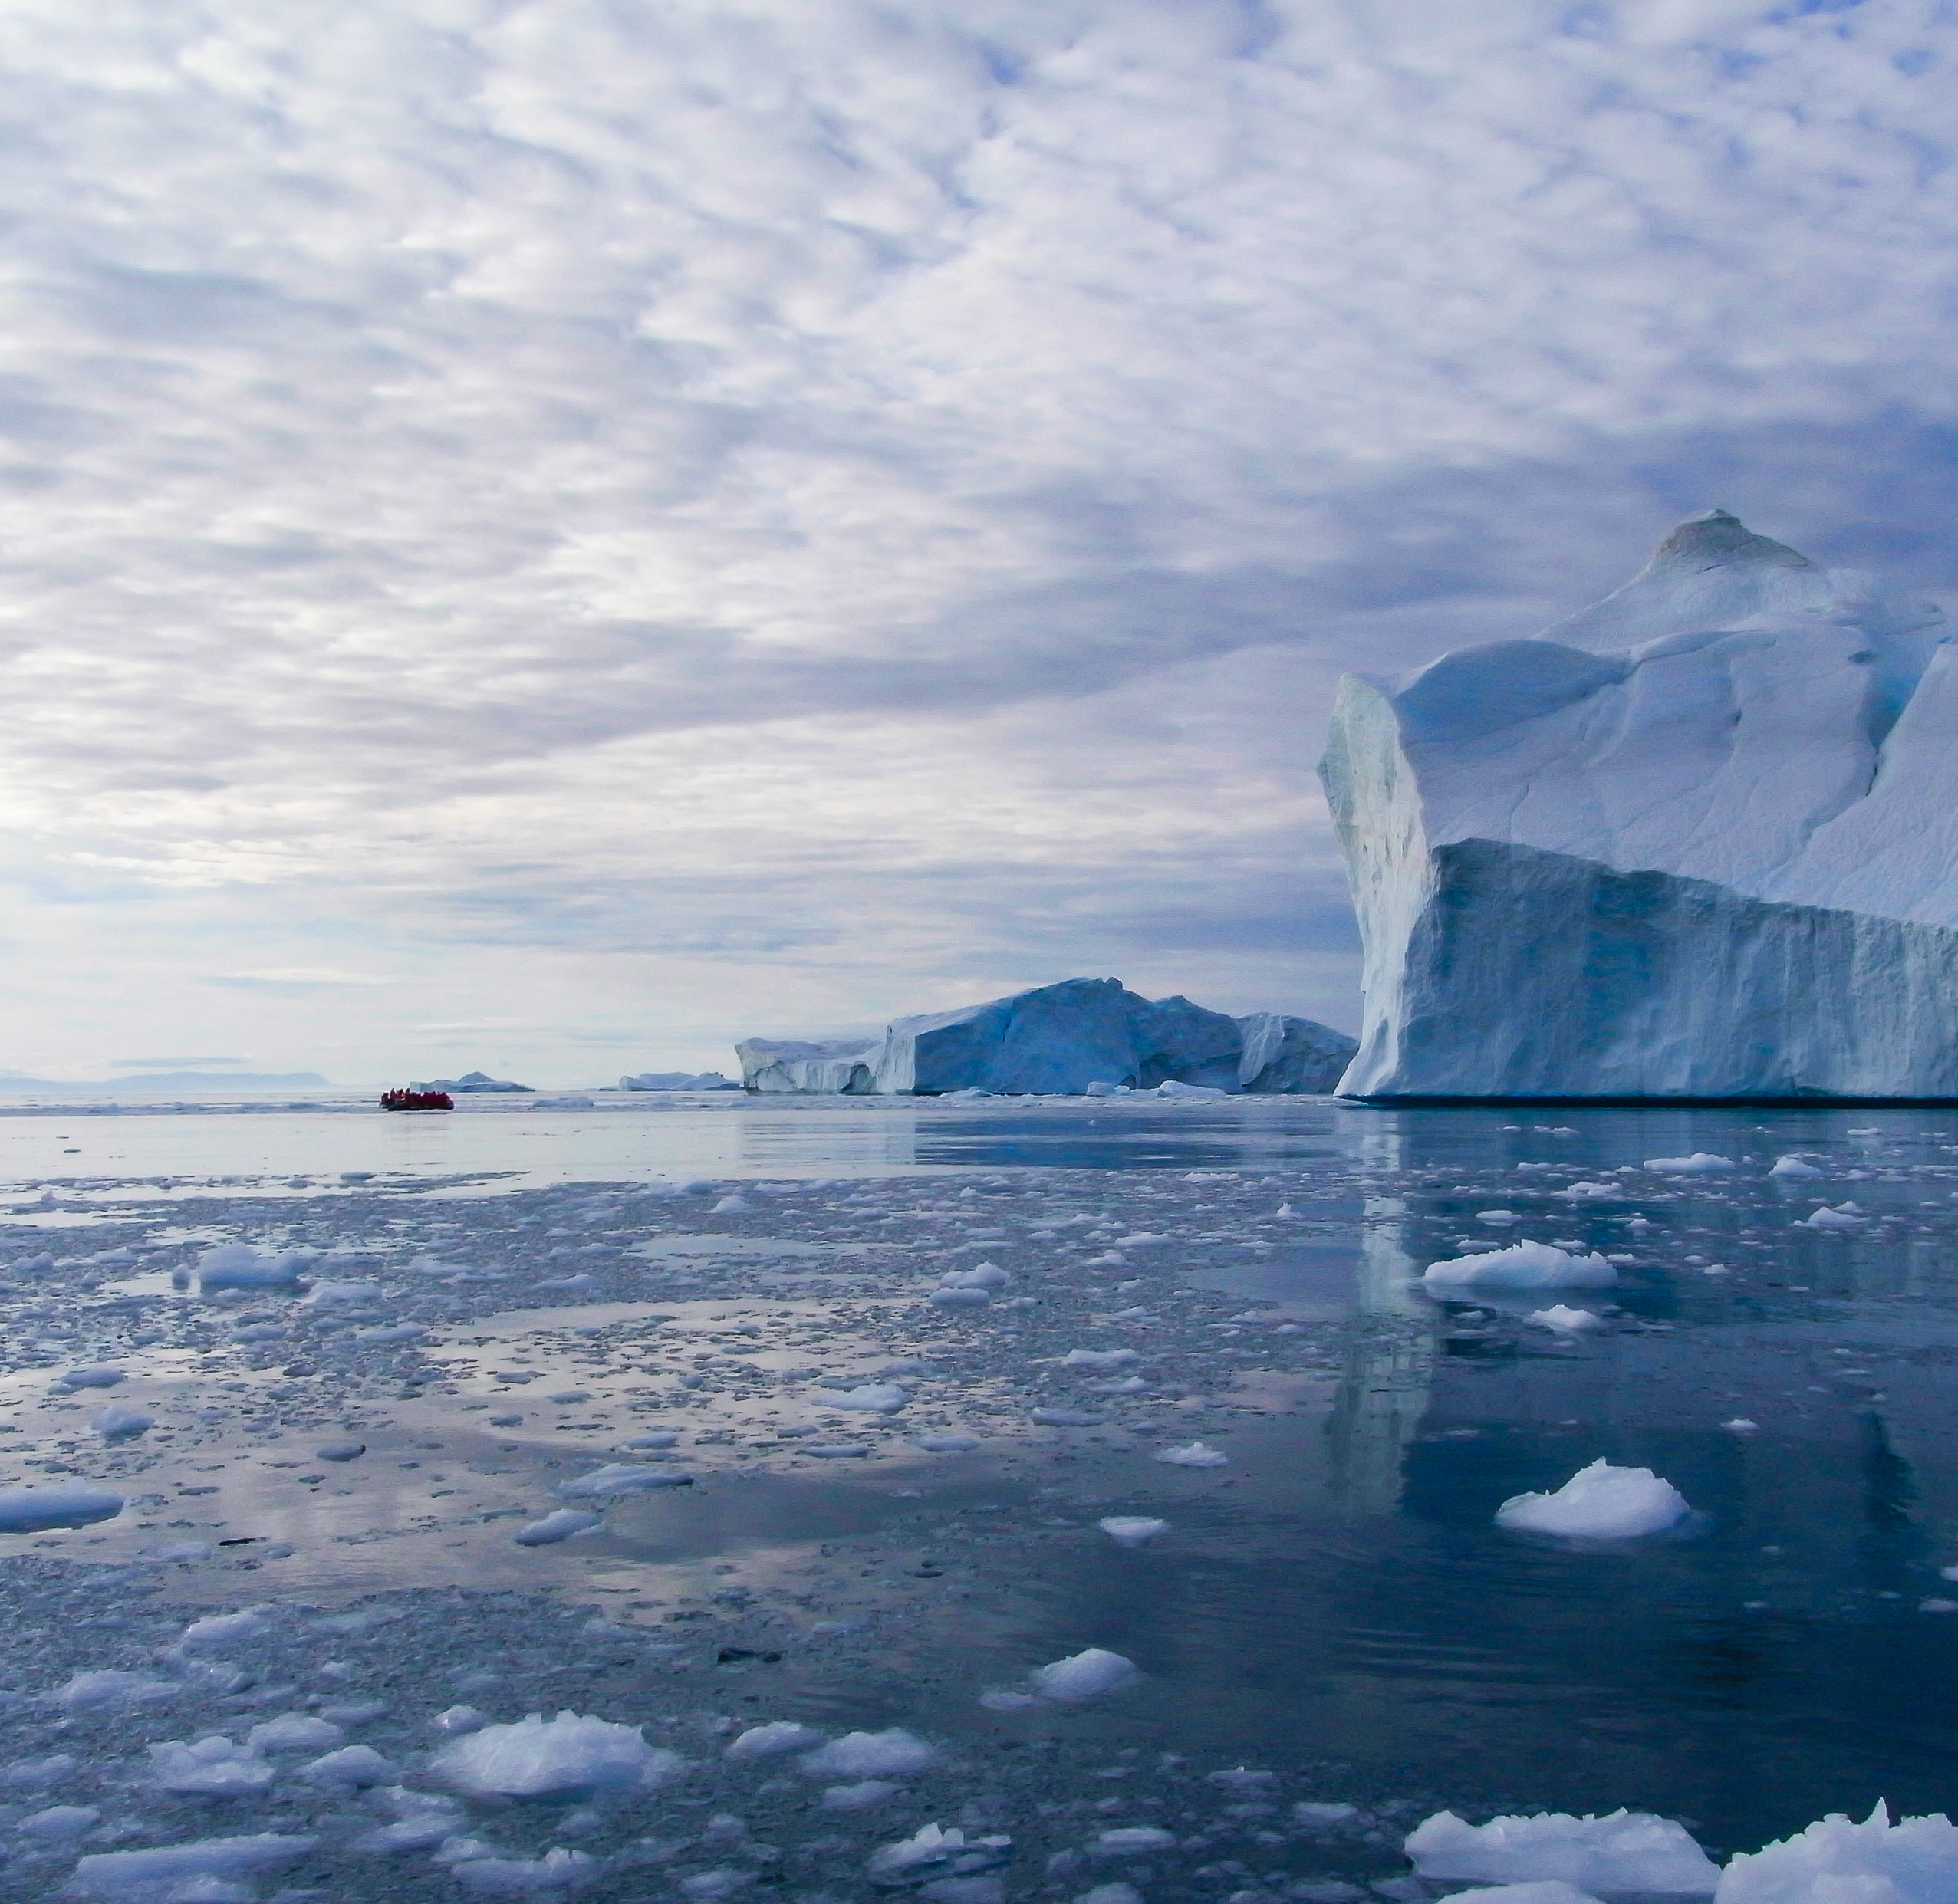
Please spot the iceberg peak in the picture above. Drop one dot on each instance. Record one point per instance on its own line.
(1716, 539)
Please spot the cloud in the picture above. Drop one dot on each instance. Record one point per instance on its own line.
(840, 505)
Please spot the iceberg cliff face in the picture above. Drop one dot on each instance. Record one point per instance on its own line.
(1060, 1039)
(1722, 861)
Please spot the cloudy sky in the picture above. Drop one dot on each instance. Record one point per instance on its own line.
(549, 534)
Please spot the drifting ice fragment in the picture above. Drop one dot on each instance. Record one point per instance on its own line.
(101, 1376)
(339, 1450)
(616, 1477)
(1598, 1503)
(295, 1732)
(1565, 1320)
(945, 1442)
(538, 1758)
(1523, 1265)
(1836, 1861)
(1843, 1217)
(212, 1767)
(72, 1503)
(1702, 1163)
(118, 1421)
(559, 1526)
(1195, 1455)
(1132, 1529)
(780, 1735)
(872, 1399)
(223, 1630)
(1085, 1676)
(1543, 1890)
(1793, 1166)
(1740, 1425)
(122, 1874)
(868, 1791)
(239, 1266)
(1623, 1851)
(558, 1869)
(1128, 1840)
(1098, 1358)
(893, 1752)
(92, 1691)
(931, 1849)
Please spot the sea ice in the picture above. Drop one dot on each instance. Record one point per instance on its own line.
(1127, 1841)
(1541, 1891)
(561, 1525)
(215, 1630)
(559, 1868)
(1132, 1529)
(1844, 1216)
(866, 1791)
(213, 1768)
(1838, 1861)
(1599, 1503)
(1622, 1851)
(131, 1874)
(894, 1752)
(239, 1266)
(874, 1399)
(1523, 1265)
(101, 1376)
(1564, 1320)
(118, 1421)
(295, 1732)
(929, 1849)
(538, 1758)
(1099, 1359)
(1702, 1163)
(65, 1503)
(618, 1477)
(351, 1765)
(779, 1736)
(1727, 788)
(111, 1686)
(1794, 1166)
(1194, 1454)
(945, 1442)
(1085, 1676)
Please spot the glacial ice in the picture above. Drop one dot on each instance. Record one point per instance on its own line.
(470, 1081)
(1522, 1265)
(1064, 1038)
(892, 1753)
(1622, 1851)
(538, 1758)
(678, 1081)
(130, 1874)
(1598, 1503)
(66, 1503)
(1701, 840)
(1085, 1676)
(1838, 1861)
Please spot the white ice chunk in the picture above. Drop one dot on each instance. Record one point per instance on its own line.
(558, 1869)
(538, 1758)
(1192, 1455)
(1132, 1529)
(1523, 1265)
(1794, 1166)
(1836, 1861)
(932, 1848)
(118, 1421)
(239, 1266)
(351, 1765)
(1085, 1676)
(561, 1525)
(617, 1478)
(870, 1755)
(1099, 1359)
(214, 1767)
(1622, 1851)
(295, 1732)
(875, 1398)
(779, 1735)
(946, 1441)
(1843, 1217)
(109, 1686)
(1599, 1503)
(217, 1630)
(100, 1376)
(1543, 1891)
(1128, 1841)
(66, 1503)
(1702, 1163)
(1564, 1320)
(866, 1791)
(134, 1874)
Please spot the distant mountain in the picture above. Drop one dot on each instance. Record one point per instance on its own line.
(145, 1083)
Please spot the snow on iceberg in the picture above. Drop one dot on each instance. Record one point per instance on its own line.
(1838, 1861)
(1598, 1503)
(1522, 1265)
(1622, 1851)
(1060, 1039)
(538, 1758)
(1701, 840)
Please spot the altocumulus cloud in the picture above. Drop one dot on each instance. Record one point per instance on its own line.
(636, 523)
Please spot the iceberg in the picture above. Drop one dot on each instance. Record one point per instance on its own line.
(1915, 1861)
(1700, 840)
(1082, 1035)
(678, 1081)
(1598, 1503)
(476, 1081)
(1622, 1851)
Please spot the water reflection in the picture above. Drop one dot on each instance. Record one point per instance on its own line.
(1384, 1389)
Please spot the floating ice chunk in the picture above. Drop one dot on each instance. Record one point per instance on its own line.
(239, 1266)
(558, 1869)
(1598, 1503)
(1523, 1265)
(1132, 1529)
(118, 1421)
(1702, 1163)
(339, 1450)
(67, 1503)
(1543, 1891)
(1740, 1425)
(946, 1441)
(867, 1791)
(1085, 1676)
(931, 1849)
(1312, 1812)
(135, 1874)
(1065, 1418)
(295, 1732)
(980, 1276)
(58, 1822)
(455, 1720)
(1623, 1851)
(1119, 1893)
(1844, 1216)
(538, 1758)
(1195, 1455)
(223, 1630)
(870, 1755)
(38, 1774)
(1498, 1216)
(654, 1438)
(1564, 1320)
(960, 1296)
(1099, 1358)
(1794, 1166)
(779, 1735)
(616, 1478)
(1006, 1699)
(872, 1399)
(93, 1692)
(1175, 1088)
(100, 1377)
(342, 1295)
(422, 1819)
(561, 1525)
(1838, 1861)
(837, 1451)
(1126, 1841)
(351, 1765)
(212, 1767)
(1586, 1191)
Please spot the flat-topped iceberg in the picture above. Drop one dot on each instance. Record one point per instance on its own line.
(1061, 1039)
(1701, 840)
(677, 1081)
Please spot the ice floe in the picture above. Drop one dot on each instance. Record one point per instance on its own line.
(1524, 1265)
(1599, 1503)
(1621, 1851)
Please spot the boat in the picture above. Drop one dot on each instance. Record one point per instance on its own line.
(416, 1100)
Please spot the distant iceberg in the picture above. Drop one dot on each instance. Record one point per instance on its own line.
(468, 1081)
(1061, 1039)
(1701, 840)
(678, 1081)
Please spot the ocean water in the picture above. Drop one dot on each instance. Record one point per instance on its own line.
(526, 1290)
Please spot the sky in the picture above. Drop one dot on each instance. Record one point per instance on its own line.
(549, 535)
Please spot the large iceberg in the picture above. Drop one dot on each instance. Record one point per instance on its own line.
(677, 1081)
(1061, 1039)
(1701, 840)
